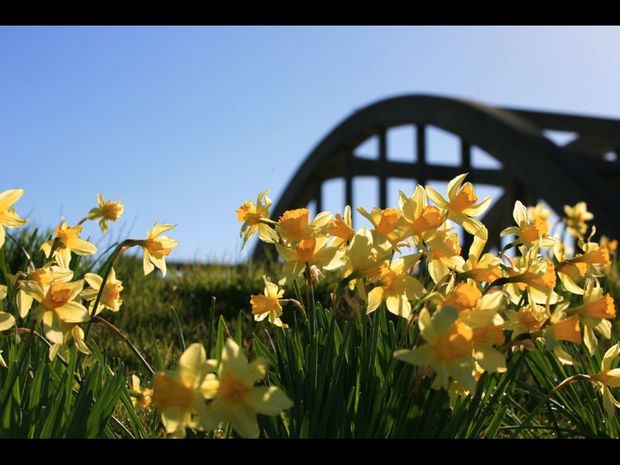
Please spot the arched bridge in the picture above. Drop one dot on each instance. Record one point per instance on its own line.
(532, 166)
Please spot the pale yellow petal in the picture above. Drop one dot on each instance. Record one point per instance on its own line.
(6, 321)
(375, 297)
(268, 400)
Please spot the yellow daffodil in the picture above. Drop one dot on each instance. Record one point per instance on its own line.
(487, 326)
(612, 245)
(396, 287)
(179, 394)
(540, 211)
(527, 320)
(111, 295)
(443, 254)
(576, 217)
(140, 397)
(293, 225)
(57, 305)
(7, 321)
(609, 378)
(362, 257)
(562, 328)
(448, 350)
(529, 231)
(107, 210)
(8, 217)
(156, 248)
(268, 304)
(386, 224)
(341, 228)
(255, 217)
(461, 206)
(570, 274)
(70, 331)
(309, 251)
(42, 276)
(67, 240)
(597, 309)
(419, 218)
(594, 256)
(485, 268)
(464, 296)
(534, 275)
(235, 398)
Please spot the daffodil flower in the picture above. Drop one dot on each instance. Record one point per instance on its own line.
(57, 305)
(529, 231)
(576, 217)
(396, 287)
(487, 325)
(562, 328)
(67, 240)
(541, 212)
(293, 225)
(419, 218)
(386, 224)
(463, 296)
(612, 245)
(107, 210)
(535, 275)
(597, 309)
(609, 378)
(111, 295)
(42, 276)
(179, 394)
(140, 397)
(527, 320)
(255, 217)
(7, 321)
(235, 398)
(594, 256)
(156, 248)
(268, 304)
(448, 350)
(443, 254)
(8, 217)
(485, 268)
(362, 258)
(309, 251)
(70, 331)
(341, 228)
(461, 206)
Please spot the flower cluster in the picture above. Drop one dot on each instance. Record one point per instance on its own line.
(470, 306)
(51, 295)
(202, 394)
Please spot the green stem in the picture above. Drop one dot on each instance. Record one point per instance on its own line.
(117, 253)
(127, 341)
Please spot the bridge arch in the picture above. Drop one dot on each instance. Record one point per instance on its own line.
(532, 166)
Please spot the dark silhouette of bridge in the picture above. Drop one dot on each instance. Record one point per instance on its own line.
(532, 166)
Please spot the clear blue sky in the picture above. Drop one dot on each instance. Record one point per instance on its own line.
(183, 124)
